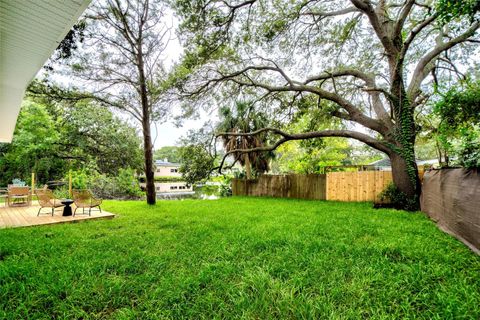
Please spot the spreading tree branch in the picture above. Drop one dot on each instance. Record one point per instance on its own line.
(404, 12)
(414, 32)
(366, 7)
(372, 142)
(424, 66)
(297, 86)
(322, 14)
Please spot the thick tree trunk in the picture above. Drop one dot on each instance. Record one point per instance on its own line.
(404, 166)
(406, 180)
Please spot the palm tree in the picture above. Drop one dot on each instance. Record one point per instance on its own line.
(243, 118)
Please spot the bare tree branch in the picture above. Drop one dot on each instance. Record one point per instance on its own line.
(415, 31)
(331, 13)
(366, 7)
(422, 69)
(297, 86)
(407, 7)
(374, 143)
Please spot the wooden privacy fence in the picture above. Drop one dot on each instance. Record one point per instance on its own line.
(311, 186)
(340, 186)
(357, 186)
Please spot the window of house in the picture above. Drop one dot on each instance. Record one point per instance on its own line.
(173, 187)
(173, 170)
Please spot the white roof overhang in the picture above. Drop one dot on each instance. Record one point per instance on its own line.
(30, 31)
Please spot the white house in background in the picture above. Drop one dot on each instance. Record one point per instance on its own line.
(163, 168)
(30, 31)
(172, 187)
(166, 169)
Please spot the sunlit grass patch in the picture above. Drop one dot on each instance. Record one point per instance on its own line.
(239, 258)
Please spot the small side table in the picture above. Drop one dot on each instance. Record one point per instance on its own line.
(67, 210)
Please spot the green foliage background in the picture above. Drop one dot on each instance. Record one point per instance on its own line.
(51, 138)
(459, 128)
(168, 152)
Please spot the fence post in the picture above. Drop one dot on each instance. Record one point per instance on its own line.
(33, 183)
(70, 183)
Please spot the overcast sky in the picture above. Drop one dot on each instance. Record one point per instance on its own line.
(168, 134)
(165, 134)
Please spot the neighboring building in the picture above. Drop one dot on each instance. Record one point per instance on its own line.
(172, 187)
(381, 165)
(385, 164)
(166, 169)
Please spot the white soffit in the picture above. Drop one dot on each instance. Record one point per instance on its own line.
(30, 31)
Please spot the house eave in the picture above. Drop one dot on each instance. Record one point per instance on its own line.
(29, 34)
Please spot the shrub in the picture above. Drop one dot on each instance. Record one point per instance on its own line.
(62, 192)
(123, 186)
(468, 149)
(102, 186)
(225, 190)
(397, 199)
(127, 184)
(79, 179)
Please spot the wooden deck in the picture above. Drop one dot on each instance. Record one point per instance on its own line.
(26, 216)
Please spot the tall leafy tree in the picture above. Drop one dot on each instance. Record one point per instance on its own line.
(196, 163)
(94, 134)
(244, 118)
(374, 61)
(51, 138)
(459, 128)
(197, 154)
(120, 65)
(34, 147)
(168, 152)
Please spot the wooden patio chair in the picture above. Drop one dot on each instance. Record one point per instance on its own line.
(4, 195)
(20, 195)
(85, 199)
(46, 199)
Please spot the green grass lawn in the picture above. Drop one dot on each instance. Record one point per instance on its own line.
(254, 258)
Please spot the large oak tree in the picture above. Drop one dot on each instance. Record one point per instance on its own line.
(371, 64)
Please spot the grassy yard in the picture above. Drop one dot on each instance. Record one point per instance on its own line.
(239, 258)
